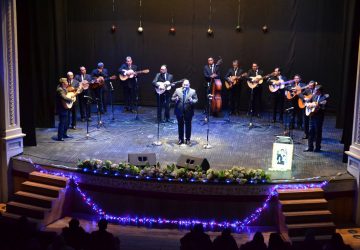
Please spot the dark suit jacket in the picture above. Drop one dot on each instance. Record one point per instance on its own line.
(160, 78)
(96, 73)
(185, 104)
(208, 73)
(130, 82)
(87, 77)
(252, 73)
(60, 98)
(74, 83)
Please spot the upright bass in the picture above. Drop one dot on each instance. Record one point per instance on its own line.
(216, 100)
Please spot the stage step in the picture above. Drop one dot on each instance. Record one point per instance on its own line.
(48, 179)
(16, 217)
(33, 199)
(26, 210)
(323, 228)
(303, 205)
(42, 189)
(295, 194)
(307, 216)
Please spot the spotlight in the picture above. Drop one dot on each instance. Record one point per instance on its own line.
(140, 29)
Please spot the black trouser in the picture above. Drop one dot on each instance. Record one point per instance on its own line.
(256, 100)
(129, 96)
(163, 101)
(84, 110)
(99, 96)
(296, 112)
(278, 104)
(235, 93)
(315, 133)
(72, 112)
(63, 124)
(184, 120)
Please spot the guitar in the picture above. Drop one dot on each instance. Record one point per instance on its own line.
(163, 86)
(290, 94)
(312, 107)
(72, 93)
(256, 80)
(233, 80)
(99, 82)
(278, 84)
(131, 74)
(302, 102)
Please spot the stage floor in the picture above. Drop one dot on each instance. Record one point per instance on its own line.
(234, 144)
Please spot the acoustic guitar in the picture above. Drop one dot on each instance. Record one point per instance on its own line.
(163, 86)
(275, 85)
(290, 94)
(302, 102)
(233, 80)
(256, 80)
(99, 82)
(72, 93)
(131, 74)
(312, 107)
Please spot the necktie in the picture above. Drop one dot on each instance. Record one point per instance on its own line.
(212, 68)
(165, 77)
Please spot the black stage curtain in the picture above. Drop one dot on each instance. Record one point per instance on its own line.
(312, 38)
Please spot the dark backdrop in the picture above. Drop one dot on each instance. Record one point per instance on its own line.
(313, 38)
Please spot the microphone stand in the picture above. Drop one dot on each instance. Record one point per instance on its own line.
(111, 101)
(158, 142)
(100, 122)
(207, 145)
(88, 102)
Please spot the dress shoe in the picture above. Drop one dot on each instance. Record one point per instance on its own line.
(305, 137)
(168, 121)
(188, 142)
(317, 150)
(273, 121)
(258, 116)
(73, 127)
(180, 142)
(89, 119)
(309, 150)
(68, 136)
(83, 120)
(60, 139)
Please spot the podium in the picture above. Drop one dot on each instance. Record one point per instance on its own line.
(282, 155)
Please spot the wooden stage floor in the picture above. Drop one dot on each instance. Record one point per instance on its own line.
(234, 144)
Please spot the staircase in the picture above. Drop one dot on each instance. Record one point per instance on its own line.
(303, 210)
(41, 199)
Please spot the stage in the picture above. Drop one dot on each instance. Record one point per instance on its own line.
(234, 143)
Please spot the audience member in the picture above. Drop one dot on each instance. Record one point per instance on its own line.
(277, 243)
(225, 241)
(74, 235)
(102, 239)
(257, 243)
(196, 239)
(336, 243)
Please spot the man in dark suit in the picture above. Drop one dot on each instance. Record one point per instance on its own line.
(101, 90)
(318, 101)
(255, 96)
(129, 85)
(185, 98)
(304, 96)
(62, 111)
(163, 100)
(84, 110)
(235, 91)
(211, 71)
(75, 84)
(278, 97)
(297, 112)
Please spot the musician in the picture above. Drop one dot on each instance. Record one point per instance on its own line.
(63, 112)
(255, 99)
(278, 96)
(84, 111)
(318, 100)
(129, 85)
(297, 112)
(75, 84)
(163, 100)
(101, 90)
(211, 72)
(235, 91)
(185, 98)
(305, 96)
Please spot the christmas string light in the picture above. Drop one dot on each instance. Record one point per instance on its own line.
(236, 225)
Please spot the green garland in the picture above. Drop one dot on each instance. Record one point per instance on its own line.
(236, 174)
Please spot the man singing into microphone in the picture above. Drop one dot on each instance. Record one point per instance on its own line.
(185, 98)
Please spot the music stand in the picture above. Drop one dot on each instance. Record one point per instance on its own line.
(158, 142)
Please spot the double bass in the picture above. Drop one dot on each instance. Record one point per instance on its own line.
(216, 100)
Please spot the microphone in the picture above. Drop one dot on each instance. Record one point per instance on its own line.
(291, 108)
(89, 97)
(112, 87)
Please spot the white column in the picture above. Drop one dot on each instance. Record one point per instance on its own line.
(354, 151)
(10, 131)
